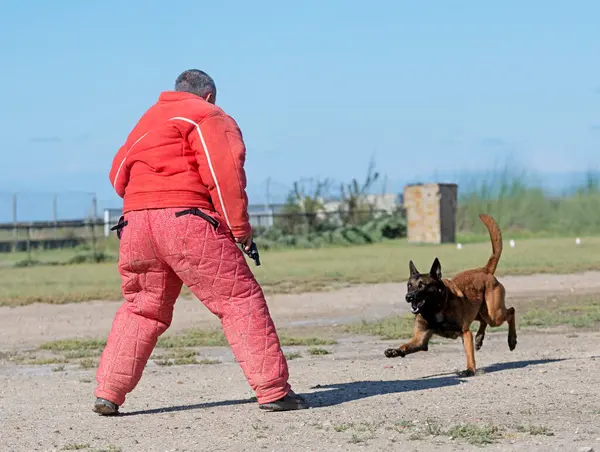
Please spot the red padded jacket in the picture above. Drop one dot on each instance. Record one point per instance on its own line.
(184, 152)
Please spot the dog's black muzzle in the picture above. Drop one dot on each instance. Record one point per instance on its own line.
(416, 303)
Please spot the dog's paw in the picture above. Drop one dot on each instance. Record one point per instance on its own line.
(394, 353)
(478, 344)
(512, 343)
(466, 373)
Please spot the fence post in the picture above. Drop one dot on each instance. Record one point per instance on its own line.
(55, 214)
(29, 259)
(106, 222)
(94, 219)
(15, 230)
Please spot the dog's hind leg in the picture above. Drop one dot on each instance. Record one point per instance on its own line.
(497, 312)
(512, 328)
(480, 334)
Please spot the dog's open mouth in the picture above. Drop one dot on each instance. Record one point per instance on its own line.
(416, 306)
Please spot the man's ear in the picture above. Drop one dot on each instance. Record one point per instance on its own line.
(413, 269)
(210, 98)
(436, 269)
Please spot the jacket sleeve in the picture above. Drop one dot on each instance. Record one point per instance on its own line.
(221, 154)
(119, 173)
(121, 167)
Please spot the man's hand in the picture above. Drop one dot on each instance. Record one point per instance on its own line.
(246, 242)
(249, 248)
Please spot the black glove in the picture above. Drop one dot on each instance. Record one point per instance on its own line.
(253, 253)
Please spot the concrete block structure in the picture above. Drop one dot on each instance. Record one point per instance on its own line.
(431, 212)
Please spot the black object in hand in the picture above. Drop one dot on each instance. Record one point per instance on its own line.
(253, 253)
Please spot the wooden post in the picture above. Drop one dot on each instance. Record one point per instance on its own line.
(94, 219)
(29, 259)
(55, 214)
(15, 229)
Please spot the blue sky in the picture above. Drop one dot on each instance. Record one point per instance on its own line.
(316, 86)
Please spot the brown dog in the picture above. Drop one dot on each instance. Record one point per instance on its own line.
(448, 307)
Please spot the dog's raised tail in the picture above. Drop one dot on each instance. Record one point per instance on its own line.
(496, 238)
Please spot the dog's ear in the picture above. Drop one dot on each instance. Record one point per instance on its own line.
(413, 269)
(436, 269)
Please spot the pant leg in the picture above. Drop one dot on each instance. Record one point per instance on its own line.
(210, 263)
(150, 288)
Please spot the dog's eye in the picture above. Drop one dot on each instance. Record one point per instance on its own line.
(410, 285)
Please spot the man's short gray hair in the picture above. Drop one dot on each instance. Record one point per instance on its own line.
(196, 82)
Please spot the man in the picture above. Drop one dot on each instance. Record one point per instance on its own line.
(181, 176)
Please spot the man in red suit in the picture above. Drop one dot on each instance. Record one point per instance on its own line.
(181, 176)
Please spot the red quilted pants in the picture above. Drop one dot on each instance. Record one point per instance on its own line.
(159, 252)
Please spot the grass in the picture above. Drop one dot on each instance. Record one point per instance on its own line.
(474, 434)
(404, 425)
(73, 345)
(526, 209)
(180, 358)
(390, 328)
(471, 433)
(287, 271)
(46, 361)
(574, 311)
(76, 447)
(534, 430)
(342, 427)
(585, 314)
(88, 363)
(172, 350)
(580, 312)
(293, 355)
(287, 341)
(193, 338)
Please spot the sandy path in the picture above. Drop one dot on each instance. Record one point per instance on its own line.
(33, 324)
(359, 400)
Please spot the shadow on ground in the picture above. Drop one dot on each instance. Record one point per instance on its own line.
(356, 390)
(198, 406)
(499, 367)
(336, 394)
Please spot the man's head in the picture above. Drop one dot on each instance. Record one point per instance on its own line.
(197, 82)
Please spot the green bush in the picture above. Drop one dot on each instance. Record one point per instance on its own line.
(376, 230)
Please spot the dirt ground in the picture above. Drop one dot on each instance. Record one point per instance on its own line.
(544, 396)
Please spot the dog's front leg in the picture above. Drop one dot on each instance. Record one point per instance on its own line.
(418, 343)
(467, 338)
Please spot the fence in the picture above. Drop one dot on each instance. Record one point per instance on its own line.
(43, 236)
(30, 206)
(50, 235)
(261, 217)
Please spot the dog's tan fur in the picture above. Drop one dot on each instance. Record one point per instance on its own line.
(451, 306)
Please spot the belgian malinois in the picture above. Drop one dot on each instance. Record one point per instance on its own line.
(447, 307)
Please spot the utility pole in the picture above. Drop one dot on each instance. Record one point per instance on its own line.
(268, 202)
(268, 194)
